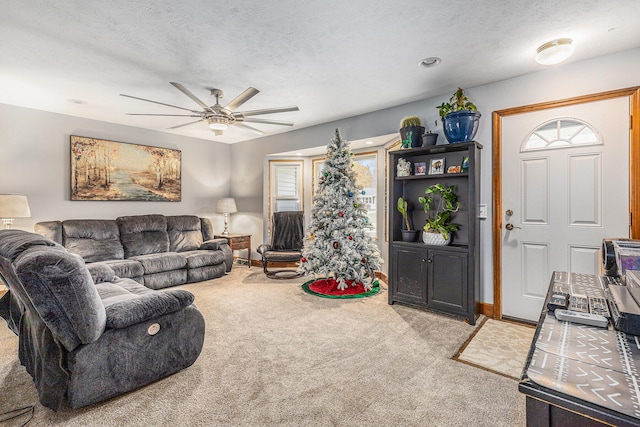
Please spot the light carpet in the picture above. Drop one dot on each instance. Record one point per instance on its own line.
(276, 356)
(498, 346)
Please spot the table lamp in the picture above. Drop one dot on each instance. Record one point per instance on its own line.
(226, 206)
(13, 206)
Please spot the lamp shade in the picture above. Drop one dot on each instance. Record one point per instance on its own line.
(227, 205)
(14, 206)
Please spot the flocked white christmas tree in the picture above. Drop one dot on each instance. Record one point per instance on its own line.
(336, 243)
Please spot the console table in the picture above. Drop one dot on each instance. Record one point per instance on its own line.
(238, 242)
(577, 374)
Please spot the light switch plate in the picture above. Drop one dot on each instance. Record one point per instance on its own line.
(482, 211)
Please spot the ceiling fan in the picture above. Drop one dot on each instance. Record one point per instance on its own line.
(219, 117)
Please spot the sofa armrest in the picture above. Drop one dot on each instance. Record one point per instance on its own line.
(214, 244)
(144, 307)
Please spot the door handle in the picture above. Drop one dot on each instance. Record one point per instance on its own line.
(510, 226)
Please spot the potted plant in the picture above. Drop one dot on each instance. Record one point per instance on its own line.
(429, 139)
(460, 118)
(437, 230)
(411, 131)
(408, 235)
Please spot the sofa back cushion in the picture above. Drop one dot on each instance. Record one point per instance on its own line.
(185, 233)
(50, 229)
(58, 286)
(143, 234)
(93, 239)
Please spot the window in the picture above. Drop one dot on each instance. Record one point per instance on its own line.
(561, 133)
(285, 186)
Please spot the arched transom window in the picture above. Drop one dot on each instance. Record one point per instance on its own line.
(561, 133)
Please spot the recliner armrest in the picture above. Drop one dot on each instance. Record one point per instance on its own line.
(144, 307)
(213, 244)
(263, 248)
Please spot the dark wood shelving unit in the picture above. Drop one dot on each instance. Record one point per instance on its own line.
(442, 278)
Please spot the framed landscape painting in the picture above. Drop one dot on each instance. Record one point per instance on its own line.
(109, 170)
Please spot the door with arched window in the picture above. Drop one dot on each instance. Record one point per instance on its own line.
(565, 187)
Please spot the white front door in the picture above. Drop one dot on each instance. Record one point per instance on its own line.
(565, 187)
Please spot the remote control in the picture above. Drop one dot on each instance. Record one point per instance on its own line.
(598, 305)
(579, 303)
(583, 318)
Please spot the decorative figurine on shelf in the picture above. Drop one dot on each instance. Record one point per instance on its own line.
(404, 167)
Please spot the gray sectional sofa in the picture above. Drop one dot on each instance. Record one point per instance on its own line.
(155, 250)
(87, 339)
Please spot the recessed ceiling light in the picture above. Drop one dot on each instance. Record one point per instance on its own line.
(554, 52)
(431, 61)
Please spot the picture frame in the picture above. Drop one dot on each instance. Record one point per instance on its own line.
(103, 170)
(464, 166)
(420, 168)
(436, 167)
(453, 169)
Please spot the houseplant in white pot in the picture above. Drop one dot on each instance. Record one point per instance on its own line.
(437, 231)
(460, 118)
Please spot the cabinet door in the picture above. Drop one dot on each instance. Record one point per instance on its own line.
(409, 276)
(448, 281)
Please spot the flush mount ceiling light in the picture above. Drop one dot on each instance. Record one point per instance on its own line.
(554, 52)
(431, 61)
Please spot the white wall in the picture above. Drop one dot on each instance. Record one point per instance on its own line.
(597, 75)
(35, 161)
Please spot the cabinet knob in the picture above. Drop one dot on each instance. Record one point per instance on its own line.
(430, 260)
(423, 260)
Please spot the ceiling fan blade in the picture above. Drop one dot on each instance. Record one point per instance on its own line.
(192, 96)
(252, 129)
(267, 122)
(242, 98)
(164, 115)
(156, 102)
(184, 124)
(267, 111)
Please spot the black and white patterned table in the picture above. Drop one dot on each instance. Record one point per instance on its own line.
(576, 371)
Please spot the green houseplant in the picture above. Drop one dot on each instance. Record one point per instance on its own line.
(411, 131)
(408, 235)
(460, 117)
(439, 203)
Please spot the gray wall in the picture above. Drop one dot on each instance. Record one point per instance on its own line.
(597, 75)
(35, 161)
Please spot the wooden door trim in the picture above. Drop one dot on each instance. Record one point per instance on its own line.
(634, 176)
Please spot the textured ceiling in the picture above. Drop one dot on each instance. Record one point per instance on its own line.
(334, 59)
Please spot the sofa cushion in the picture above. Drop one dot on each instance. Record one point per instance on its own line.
(185, 233)
(100, 272)
(165, 279)
(143, 234)
(50, 229)
(62, 291)
(125, 268)
(93, 239)
(125, 307)
(157, 263)
(196, 259)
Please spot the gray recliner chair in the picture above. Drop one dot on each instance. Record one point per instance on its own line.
(287, 234)
(89, 336)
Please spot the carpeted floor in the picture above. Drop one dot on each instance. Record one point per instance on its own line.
(498, 346)
(277, 356)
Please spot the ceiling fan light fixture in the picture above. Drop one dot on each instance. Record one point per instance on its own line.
(218, 123)
(554, 52)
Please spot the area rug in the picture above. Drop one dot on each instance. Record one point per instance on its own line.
(498, 346)
(328, 288)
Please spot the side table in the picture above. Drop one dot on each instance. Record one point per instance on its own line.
(238, 242)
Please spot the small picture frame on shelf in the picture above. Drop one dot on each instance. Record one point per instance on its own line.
(436, 167)
(464, 166)
(453, 169)
(420, 168)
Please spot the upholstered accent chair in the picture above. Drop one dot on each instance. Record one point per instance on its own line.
(287, 233)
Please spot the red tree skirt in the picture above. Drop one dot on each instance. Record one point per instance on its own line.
(330, 287)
